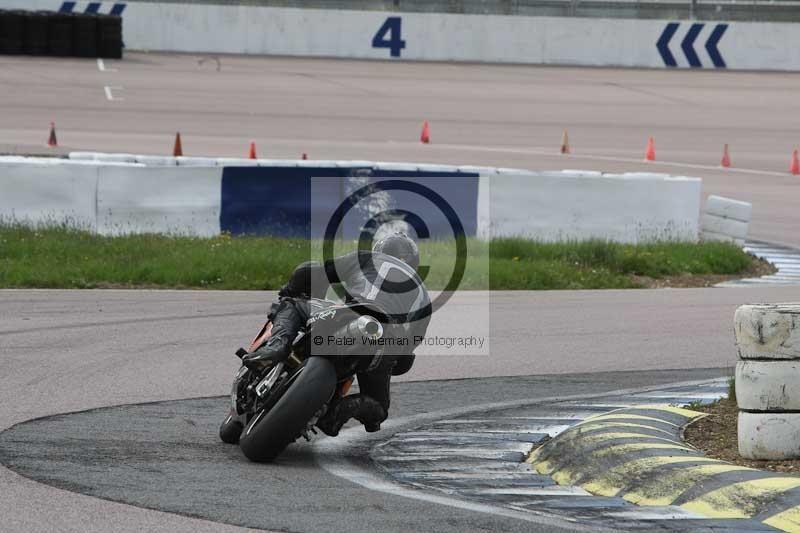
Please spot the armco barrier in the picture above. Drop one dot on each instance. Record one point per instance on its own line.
(88, 34)
(248, 29)
(126, 193)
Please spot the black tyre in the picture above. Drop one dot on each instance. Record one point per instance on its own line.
(230, 430)
(267, 435)
(34, 40)
(12, 26)
(59, 34)
(109, 36)
(84, 35)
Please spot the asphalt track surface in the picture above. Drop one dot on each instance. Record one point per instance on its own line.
(166, 456)
(507, 116)
(64, 351)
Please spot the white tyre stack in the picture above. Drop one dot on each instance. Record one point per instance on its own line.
(768, 380)
(725, 219)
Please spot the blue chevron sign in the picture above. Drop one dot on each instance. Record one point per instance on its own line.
(92, 7)
(687, 44)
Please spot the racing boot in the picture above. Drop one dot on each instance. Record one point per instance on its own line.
(363, 408)
(275, 350)
(286, 322)
(371, 415)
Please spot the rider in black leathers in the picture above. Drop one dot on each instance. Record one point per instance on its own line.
(387, 277)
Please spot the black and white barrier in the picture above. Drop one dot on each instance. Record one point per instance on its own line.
(768, 380)
(51, 33)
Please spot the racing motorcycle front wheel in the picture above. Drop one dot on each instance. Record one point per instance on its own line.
(271, 430)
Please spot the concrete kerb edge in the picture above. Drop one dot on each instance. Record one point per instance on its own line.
(626, 478)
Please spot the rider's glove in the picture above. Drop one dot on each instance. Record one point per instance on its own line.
(289, 291)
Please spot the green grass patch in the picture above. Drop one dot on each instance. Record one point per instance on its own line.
(67, 258)
(732, 389)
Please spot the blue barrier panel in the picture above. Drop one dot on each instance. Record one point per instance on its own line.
(440, 201)
(270, 200)
(277, 200)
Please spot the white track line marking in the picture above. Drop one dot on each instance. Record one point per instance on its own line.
(667, 513)
(553, 490)
(109, 95)
(101, 66)
(607, 158)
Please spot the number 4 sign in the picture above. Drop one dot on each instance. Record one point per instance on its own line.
(388, 36)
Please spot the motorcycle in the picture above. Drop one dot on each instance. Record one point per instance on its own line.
(274, 405)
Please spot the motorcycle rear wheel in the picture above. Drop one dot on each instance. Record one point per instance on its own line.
(268, 434)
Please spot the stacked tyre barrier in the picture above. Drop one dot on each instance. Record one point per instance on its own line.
(48, 33)
(726, 220)
(768, 381)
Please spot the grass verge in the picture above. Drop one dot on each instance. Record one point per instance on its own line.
(67, 258)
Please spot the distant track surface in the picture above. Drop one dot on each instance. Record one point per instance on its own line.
(506, 116)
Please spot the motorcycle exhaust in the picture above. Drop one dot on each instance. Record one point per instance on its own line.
(366, 326)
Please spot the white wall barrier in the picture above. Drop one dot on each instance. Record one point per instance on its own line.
(43, 193)
(116, 193)
(575, 205)
(159, 200)
(110, 198)
(768, 380)
(726, 220)
(214, 28)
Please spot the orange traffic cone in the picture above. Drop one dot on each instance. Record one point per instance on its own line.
(565, 143)
(794, 168)
(726, 158)
(177, 150)
(650, 153)
(425, 137)
(253, 150)
(52, 142)
(305, 156)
